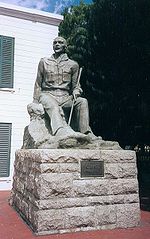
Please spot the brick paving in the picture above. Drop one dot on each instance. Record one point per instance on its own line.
(13, 227)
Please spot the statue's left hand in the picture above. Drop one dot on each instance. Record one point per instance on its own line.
(76, 94)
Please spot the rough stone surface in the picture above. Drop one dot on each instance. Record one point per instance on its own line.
(38, 135)
(51, 196)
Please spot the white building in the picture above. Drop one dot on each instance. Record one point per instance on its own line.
(26, 35)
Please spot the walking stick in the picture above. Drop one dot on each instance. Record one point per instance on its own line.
(71, 111)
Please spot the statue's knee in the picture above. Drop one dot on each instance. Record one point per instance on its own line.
(83, 101)
(48, 104)
(44, 101)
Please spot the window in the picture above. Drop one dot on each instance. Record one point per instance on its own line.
(5, 145)
(6, 61)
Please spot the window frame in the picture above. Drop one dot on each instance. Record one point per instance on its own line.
(5, 148)
(7, 45)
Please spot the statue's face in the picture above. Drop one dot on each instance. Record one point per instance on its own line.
(59, 45)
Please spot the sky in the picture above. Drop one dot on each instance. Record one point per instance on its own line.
(53, 6)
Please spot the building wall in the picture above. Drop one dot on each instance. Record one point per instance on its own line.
(33, 40)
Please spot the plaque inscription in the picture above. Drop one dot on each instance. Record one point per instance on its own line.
(92, 168)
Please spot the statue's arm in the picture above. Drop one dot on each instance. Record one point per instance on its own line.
(76, 87)
(38, 82)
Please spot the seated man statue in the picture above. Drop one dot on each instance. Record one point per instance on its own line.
(57, 87)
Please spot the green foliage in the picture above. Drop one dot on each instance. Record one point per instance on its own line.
(122, 43)
(111, 39)
(74, 29)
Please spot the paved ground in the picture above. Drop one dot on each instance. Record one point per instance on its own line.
(12, 227)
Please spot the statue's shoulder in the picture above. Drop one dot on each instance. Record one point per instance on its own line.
(73, 63)
(46, 60)
(43, 59)
(68, 60)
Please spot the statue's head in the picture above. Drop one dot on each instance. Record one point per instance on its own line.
(59, 45)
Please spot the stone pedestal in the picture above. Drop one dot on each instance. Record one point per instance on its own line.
(52, 197)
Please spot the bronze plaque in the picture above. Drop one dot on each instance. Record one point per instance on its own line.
(92, 168)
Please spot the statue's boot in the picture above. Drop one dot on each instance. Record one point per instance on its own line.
(98, 142)
(93, 137)
(68, 138)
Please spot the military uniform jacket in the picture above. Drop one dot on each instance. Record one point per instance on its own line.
(57, 74)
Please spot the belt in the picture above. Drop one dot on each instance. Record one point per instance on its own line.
(57, 92)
